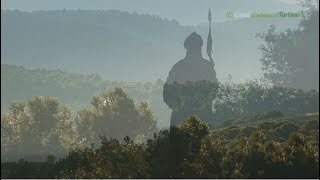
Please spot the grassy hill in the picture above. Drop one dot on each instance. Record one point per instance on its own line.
(275, 125)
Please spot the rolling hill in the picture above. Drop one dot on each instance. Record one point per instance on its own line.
(126, 46)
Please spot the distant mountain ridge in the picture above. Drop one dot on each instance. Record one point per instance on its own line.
(125, 46)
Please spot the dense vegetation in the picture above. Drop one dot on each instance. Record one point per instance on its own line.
(192, 150)
(18, 84)
(45, 126)
(259, 130)
(117, 137)
(233, 100)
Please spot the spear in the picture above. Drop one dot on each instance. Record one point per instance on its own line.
(209, 40)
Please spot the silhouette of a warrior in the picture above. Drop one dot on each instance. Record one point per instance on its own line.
(192, 83)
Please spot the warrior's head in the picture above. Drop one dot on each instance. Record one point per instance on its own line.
(193, 44)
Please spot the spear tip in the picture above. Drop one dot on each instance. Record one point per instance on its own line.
(209, 15)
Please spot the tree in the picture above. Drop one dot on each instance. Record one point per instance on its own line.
(172, 153)
(40, 127)
(190, 150)
(290, 58)
(116, 115)
(236, 100)
(111, 160)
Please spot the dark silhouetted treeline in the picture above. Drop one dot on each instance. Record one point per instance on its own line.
(192, 150)
(117, 137)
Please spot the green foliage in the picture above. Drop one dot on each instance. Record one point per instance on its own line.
(253, 155)
(19, 83)
(111, 160)
(235, 100)
(24, 169)
(41, 126)
(255, 142)
(276, 129)
(190, 150)
(190, 96)
(287, 57)
(114, 114)
(232, 101)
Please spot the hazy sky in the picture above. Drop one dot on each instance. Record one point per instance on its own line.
(187, 12)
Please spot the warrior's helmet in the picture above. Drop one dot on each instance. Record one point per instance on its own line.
(193, 41)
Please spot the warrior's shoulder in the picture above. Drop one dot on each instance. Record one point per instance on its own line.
(179, 63)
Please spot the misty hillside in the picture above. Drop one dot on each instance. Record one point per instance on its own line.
(19, 84)
(125, 46)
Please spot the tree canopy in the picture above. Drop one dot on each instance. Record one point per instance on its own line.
(291, 58)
